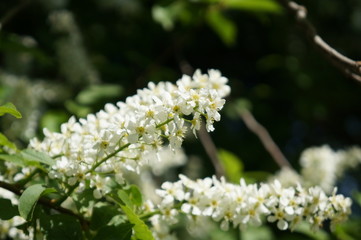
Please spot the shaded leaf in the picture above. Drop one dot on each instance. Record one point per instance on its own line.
(254, 5)
(224, 27)
(7, 209)
(102, 214)
(120, 232)
(30, 197)
(96, 93)
(10, 109)
(60, 227)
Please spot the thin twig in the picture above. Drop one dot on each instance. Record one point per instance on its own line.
(211, 150)
(10, 14)
(45, 202)
(349, 67)
(265, 138)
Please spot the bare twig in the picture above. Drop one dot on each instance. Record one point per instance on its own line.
(265, 138)
(45, 202)
(211, 150)
(10, 14)
(349, 67)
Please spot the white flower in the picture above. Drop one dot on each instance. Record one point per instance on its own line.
(242, 205)
(119, 138)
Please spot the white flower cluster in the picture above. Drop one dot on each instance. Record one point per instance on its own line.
(120, 137)
(321, 166)
(244, 204)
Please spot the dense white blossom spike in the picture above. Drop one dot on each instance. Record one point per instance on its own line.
(242, 205)
(120, 137)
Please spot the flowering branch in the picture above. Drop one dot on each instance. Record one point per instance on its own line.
(349, 67)
(121, 138)
(247, 204)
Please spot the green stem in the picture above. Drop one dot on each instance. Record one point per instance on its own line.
(60, 200)
(164, 123)
(107, 157)
(146, 216)
(151, 214)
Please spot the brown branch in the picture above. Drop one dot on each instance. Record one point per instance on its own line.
(211, 150)
(10, 14)
(265, 138)
(46, 202)
(349, 67)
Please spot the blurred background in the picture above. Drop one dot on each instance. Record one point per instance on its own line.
(60, 58)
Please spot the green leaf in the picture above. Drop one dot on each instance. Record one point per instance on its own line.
(168, 15)
(357, 197)
(120, 232)
(97, 93)
(35, 156)
(224, 27)
(77, 109)
(30, 197)
(123, 195)
(231, 164)
(10, 109)
(7, 209)
(60, 227)
(305, 228)
(141, 230)
(256, 176)
(16, 159)
(135, 195)
(84, 200)
(102, 214)
(4, 141)
(257, 233)
(19, 160)
(53, 119)
(253, 5)
(349, 230)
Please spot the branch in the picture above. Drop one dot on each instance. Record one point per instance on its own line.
(10, 14)
(349, 67)
(211, 150)
(265, 138)
(46, 202)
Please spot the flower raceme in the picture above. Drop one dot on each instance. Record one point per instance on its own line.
(243, 204)
(321, 166)
(120, 137)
